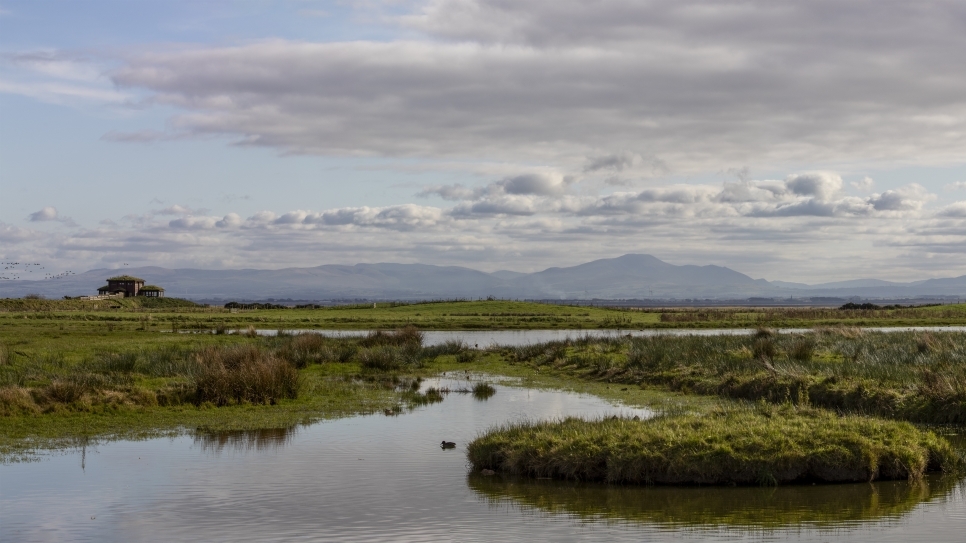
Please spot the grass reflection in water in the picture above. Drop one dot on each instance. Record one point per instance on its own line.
(749, 508)
(245, 440)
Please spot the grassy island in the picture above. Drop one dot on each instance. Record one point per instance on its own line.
(768, 445)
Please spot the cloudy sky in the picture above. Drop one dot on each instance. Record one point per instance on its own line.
(804, 140)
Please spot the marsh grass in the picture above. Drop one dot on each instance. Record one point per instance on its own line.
(914, 376)
(467, 356)
(414, 398)
(449, 347)
(244, 374)
(761, 445)
(407, 336)
(483, 391)
(389, 358)
(304, 349)
(246, 370)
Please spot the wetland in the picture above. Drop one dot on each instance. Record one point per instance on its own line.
(229, 403)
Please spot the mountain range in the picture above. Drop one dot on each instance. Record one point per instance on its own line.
(632, 276)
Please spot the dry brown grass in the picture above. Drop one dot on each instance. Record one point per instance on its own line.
(16, 400)
(243, 374)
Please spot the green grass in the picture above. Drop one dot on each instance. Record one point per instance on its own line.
(57, 387)
(72, 374)
(147, 314)
(765, 445)
(913, 376)
(329, 391)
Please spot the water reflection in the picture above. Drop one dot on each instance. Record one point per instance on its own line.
(378, 478)
(264, 439)
(712, 507)
(516, 338)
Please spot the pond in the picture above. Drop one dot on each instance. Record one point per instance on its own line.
(515, 338)
(386, 478)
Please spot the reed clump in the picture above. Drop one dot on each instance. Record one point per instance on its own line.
(764, 445)
(304, 349)
(388, 358)
(448, 347)
(483, 391)
(407, 336)
(244, 374)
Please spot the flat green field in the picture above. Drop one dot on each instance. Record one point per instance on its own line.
(116, 315)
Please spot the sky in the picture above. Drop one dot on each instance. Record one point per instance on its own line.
(798, 140)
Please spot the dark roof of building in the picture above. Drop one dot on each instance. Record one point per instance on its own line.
(109, 287)
(152, 287)
(125, 278)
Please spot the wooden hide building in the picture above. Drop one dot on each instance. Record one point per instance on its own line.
(130, 286)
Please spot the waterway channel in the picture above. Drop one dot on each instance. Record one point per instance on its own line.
(386, 478)
(515, 338)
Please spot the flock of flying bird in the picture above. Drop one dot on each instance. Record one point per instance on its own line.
(13, 271)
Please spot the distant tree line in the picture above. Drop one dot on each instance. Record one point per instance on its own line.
(867, 305)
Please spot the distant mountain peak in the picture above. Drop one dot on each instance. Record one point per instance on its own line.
(629, 276)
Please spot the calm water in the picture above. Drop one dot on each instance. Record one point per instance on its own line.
(379, 478)
(486, 338)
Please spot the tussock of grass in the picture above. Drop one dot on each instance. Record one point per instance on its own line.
(727, 446)
(15, 401)
(244, 374)
(467, 356)
(304, 349)
(452, 346)
(409, 335)
(388, 358)
(483, 391)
